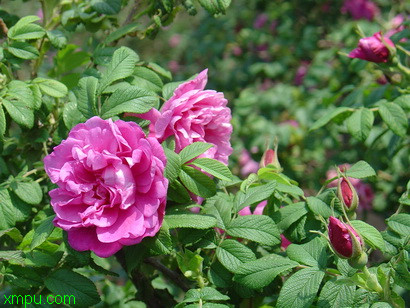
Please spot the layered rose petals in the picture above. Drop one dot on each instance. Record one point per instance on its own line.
(193, 114)
(111, 185)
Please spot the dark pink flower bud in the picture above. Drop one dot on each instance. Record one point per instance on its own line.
(347, 194)
(372, 49)
(344, 240)
(285, 242)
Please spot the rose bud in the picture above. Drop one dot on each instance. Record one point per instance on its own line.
(373, 49)
(270, 157)
(347, 194)
(345, 241)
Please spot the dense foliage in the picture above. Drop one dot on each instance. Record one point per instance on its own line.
(203, 153)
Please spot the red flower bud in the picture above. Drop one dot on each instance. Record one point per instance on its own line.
(347, 194)
(270, 157)
(344, 240)
(372, 49)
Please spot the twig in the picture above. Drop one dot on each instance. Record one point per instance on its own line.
(177, 279)
(132, 12)
(3, 27)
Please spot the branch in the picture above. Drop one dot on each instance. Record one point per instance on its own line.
(172, 275)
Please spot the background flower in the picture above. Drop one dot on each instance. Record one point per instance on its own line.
(111, 188)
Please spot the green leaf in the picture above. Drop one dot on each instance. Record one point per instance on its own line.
(71, 115)
(300, 289)
(360, 123)
(23, 50)
(161, 243)
(173, 166)
(257, 228)
(122, 31)
(24, 29)
(12, 210)
(107, 7)
(312, 253)
(121, 66)
(318, 207)
(370, 234)
(51, 87)
(37, 96)
(403, 101)
(205, 294)
(215, 6)
(231, 254)
(394, 117)
(260, 273)
(213, 167)
(42, 232)
(193, 221)
(13, 256)
(20, 112)
(329, 116)
(87, 96)
(336, 294)
(289, 214)
(197, 182)
(193, 150)
(360, 170)
(57, 38)
(219, 275)
(169, 88)
(147, 79)
(254, 195)
(402, 275)
(220, 207)
(65, 281)
(129, 99)
(13, 233)
(2, 122)
(177, 192)
(400, 223)
(29, 192)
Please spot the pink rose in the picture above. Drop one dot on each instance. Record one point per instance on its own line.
(193, 114)
(372, 49)
(360, 9)
(301, 73)
(111, 185)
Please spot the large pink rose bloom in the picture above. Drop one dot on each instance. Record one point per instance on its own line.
(360, 9)
(111, 185)
(193, 114)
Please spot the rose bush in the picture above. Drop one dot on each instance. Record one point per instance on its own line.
(111, 185)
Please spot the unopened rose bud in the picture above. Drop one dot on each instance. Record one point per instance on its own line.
(347, 194)
(373, 48)
(345, 241)
(270, 157)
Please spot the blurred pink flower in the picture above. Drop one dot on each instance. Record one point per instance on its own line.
(260, 21)
(360, 9)
(236, 51)
(397, 26)
(111, 185)
(301, 73)
(173, 66)
(372, 49)
(247, 164)
(174, 40)
(292, 123)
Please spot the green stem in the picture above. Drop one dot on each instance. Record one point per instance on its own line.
(33, 171)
